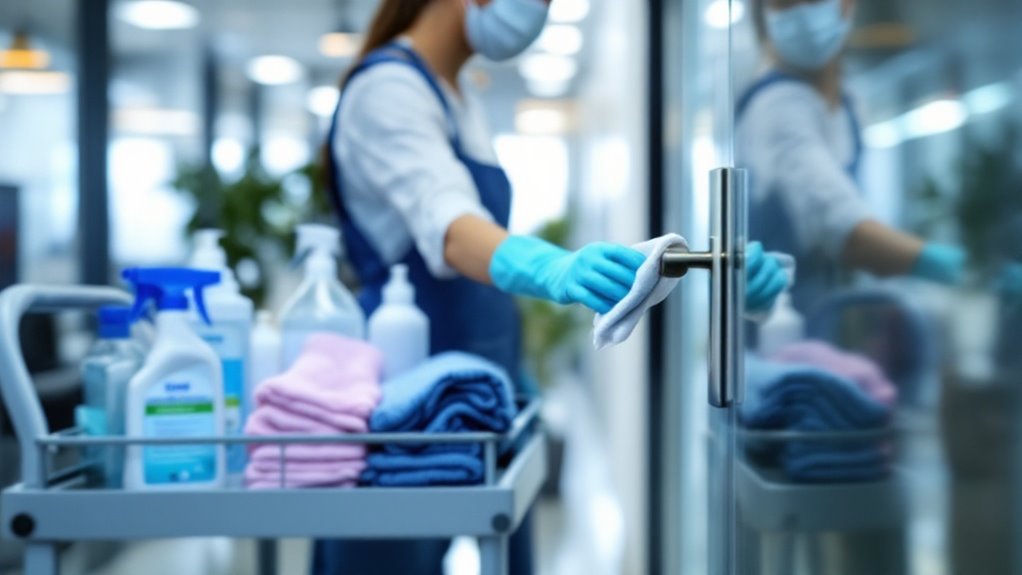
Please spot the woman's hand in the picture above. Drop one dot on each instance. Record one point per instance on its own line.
(597, 276)
(765, 279)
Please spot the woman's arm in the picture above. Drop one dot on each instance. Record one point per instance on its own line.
(469, 246)
(881, 250)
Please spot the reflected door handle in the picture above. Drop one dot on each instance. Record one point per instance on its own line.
(726, 263)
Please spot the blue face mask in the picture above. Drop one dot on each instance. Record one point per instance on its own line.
(808, 36)
(504, 28)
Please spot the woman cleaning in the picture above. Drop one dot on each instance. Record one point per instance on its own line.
(416, 181)
(800, 137)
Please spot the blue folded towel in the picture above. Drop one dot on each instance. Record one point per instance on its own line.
(451, 392)
(785, 396)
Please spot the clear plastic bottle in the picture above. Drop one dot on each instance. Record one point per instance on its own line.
(106, 371)
(229, 335)
(398, 328)
(322, 303)
(266, 352)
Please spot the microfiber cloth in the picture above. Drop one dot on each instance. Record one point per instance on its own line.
(451, 392)
(856, 368)
(339, 474)
(332, 388)
(271, 419)
(796, 397)
(314, 453)
(650, 288)
(333, 379)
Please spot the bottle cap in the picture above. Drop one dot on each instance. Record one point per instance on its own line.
(399, 290)
(207, 254)
(114, 322)
(319, 245)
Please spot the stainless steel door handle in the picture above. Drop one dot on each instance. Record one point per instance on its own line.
(726, 263)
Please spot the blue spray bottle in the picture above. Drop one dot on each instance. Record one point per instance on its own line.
(178, 393)
(106, 372)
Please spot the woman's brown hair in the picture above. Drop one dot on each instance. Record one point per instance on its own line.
(393, 18)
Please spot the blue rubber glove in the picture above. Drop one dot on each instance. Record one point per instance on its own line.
(765, 279)
(940, 263)
(597, 276)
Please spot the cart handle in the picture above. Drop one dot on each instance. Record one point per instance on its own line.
(16, 387)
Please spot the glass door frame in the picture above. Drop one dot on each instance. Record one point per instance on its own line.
(679, 201)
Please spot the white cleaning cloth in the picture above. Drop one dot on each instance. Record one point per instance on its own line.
(649, 289)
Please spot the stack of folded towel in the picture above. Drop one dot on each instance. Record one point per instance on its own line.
(857, 368)
(332, 388)
(451, 392)
(801, 397)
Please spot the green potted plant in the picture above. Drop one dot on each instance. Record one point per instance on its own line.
(257, 213)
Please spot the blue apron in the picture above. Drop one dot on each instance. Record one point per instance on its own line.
(771, 224)
(464, 315)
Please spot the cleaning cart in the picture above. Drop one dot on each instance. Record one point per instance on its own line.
(55, 503)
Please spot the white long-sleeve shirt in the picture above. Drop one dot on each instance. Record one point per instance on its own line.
(403, 186)
(798, 147)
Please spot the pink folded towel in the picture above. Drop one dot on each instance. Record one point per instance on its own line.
(275, 420)
(337, 469)
(332, 380)
(338, 475)
(326, 454)
(857, 368)
(332, 388)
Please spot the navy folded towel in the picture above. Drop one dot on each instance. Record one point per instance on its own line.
(451, 392)
(785, 396)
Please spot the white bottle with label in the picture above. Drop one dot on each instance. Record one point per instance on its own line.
(322, 303)
(178, 393)
(266, 352)
(398, 328)
(229, 335)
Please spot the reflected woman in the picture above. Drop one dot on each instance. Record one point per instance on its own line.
(799, 135)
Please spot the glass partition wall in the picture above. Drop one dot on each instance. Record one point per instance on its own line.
(882, 436)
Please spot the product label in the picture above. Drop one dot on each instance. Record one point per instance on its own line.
(230, 342)
(180, 406)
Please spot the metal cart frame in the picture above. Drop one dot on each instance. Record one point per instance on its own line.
(53, 506)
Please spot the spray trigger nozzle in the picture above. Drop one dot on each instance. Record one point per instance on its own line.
(168, 288)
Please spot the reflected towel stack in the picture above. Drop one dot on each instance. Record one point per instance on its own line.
(800, 397)
(856, 368)
(332, 388)
(450, 393)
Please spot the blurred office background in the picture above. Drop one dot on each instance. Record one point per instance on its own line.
(125, 123)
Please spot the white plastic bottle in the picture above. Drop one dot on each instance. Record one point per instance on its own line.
(266, 352)
(784, 327)
(322, 303)
(398, 328)
(229, 335)
(178, 393)
(113, 360)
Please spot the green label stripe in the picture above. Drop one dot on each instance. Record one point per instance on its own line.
(232, 401)
(179, 409)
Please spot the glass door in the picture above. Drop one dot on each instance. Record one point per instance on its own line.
(871, 426)
(705, 202)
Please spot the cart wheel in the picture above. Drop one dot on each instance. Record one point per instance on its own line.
(23, 525)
